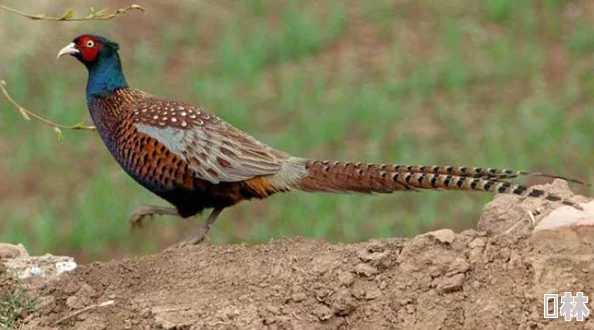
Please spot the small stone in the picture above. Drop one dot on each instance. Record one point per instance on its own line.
(471, 233)
(405, 301)
(229, 313)
(74, 302)
(370, 255)
(446, 236)
(146, 313)
(373, 293)
(383, 285)
(410, 308)
(9, 251)
(459, 265)
(164, 323)
(451, 284)
(272, 310)
(71, 287)
(567, 216)
(476, 256)
(65, 266)
(346, 279)
(323, 312)
(477, 243)
(86, 291)
(359, 290)
(365, 270)
(343, 303)
(298, 296)
(34, 271)
(434, 271)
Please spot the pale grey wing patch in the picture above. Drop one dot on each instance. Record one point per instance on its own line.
(169, 137)
(218, 153)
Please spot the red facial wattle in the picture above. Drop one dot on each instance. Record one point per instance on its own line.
(89, 48)
(89, 54)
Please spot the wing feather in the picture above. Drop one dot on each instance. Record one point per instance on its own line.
(215, 150)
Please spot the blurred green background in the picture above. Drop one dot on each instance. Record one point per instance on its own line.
(500, 83)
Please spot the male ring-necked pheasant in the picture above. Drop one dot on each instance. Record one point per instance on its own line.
(195, 160)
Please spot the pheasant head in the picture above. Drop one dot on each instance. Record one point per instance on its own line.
(100, 57)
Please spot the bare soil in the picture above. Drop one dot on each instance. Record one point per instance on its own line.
(439, 280)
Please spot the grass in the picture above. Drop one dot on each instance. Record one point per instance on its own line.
(497, 83)
(14, 305)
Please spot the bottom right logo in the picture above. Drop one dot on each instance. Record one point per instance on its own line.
(571, 306)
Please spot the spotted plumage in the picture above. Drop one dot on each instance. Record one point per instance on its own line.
(196, 161)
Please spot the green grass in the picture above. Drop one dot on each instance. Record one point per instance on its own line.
(497, 83)
(14, 305)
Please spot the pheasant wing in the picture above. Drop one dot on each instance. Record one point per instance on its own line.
(215, 150)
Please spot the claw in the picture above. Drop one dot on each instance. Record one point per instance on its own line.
(138, 216)
(198, 239)
(135, 221)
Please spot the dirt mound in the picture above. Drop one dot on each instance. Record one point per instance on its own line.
(439, 280)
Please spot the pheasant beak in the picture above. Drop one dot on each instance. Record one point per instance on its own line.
(69, 49)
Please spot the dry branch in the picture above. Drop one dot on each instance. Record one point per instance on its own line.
(28, 114)
(86, 309)
(68, 16)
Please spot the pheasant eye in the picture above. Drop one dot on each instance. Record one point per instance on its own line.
(90, 43)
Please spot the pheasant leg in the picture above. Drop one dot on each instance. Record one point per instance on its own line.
(203, 230)
(149, 210)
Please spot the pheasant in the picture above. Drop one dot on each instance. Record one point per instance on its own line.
(194, 160)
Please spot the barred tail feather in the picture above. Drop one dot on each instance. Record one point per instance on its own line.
(475, 172)
(345, 177)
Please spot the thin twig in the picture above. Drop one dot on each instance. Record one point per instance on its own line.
(86, 309)
(95, 15)
(27, 114)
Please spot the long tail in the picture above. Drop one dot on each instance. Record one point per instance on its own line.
(475, 172)
(343, 177)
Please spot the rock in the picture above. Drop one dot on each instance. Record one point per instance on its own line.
(459, 265)
(9, 251)
(298, 297)
(477, 243)
(445, 236)
(568, 216)
(373, 293)
(72, 287)
(161, 319)
(343, 303)
(46, 266)
(507, 211)
(323, 312)
(346, 279)
(76, 302)
(372, 254)
(365, 269)
(451, 284)
(86, 291)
